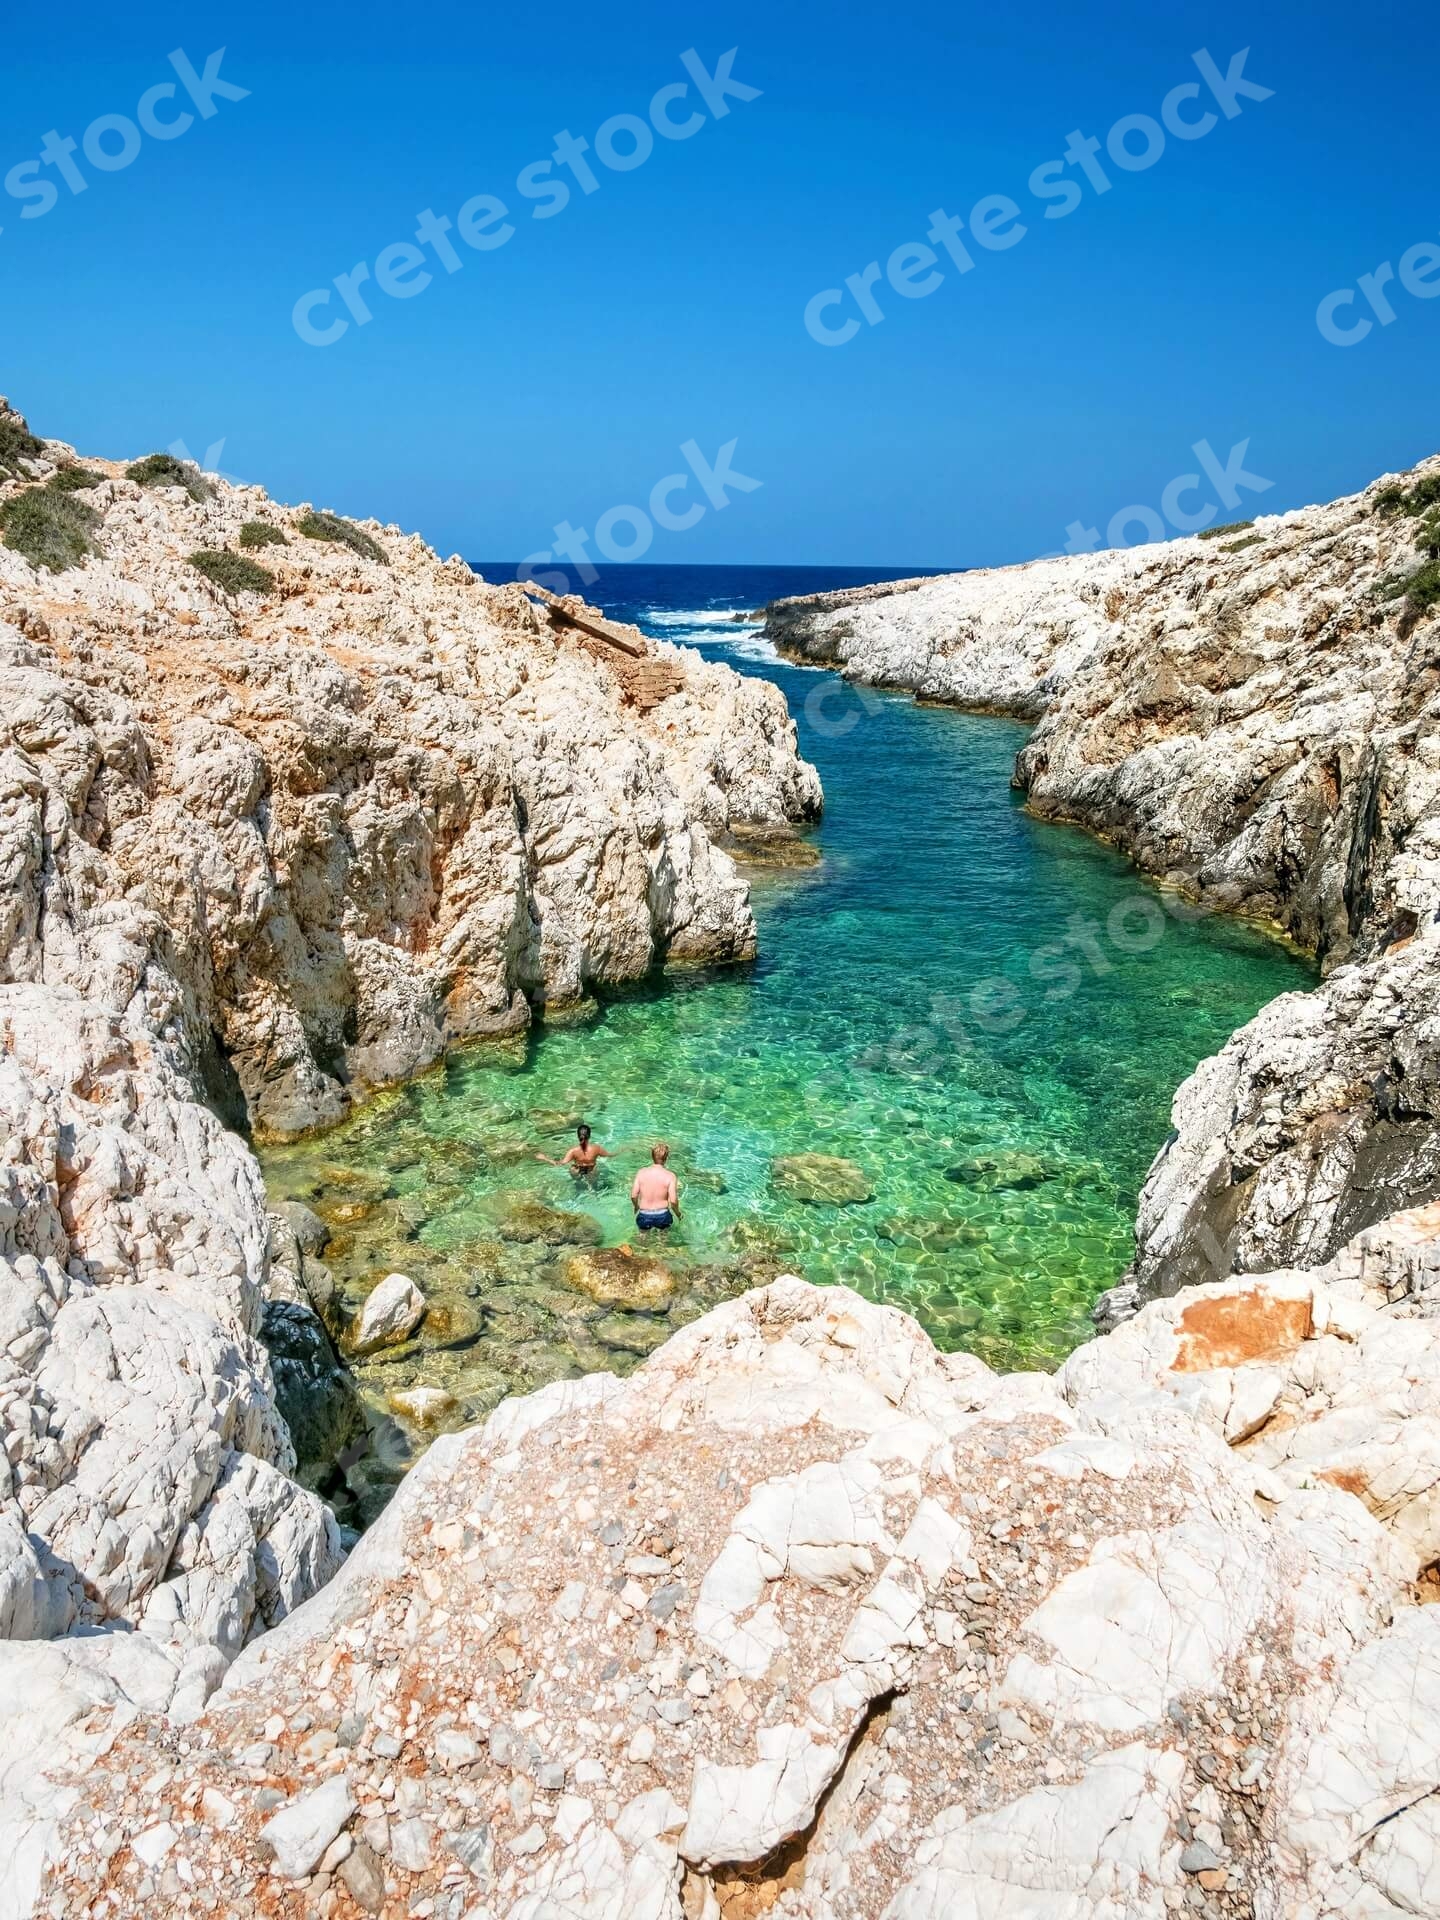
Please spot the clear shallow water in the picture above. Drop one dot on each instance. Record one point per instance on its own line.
(1001, 1131)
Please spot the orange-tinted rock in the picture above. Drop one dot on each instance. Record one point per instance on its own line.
(1230, 1329)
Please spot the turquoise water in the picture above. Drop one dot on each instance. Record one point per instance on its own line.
(1000, 1133)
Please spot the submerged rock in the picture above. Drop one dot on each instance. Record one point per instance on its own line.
(1011, 1171)
(770, 846)
(821, 1180)
(940, 1235)
(705, 1181)
(422, 1406)
(527, 1221)
(630, 1332)
(616, 1277)
(391, 1313)
(754, 1237)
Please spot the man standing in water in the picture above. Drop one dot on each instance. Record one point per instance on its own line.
(582, 1159)
(655, 1194)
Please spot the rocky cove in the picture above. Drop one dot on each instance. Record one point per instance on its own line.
(805, 1616)
(861, 1103)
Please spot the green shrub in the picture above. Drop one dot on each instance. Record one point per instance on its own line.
(259, 533)
(1410, 500)
(54, 530)
(1239, 546)
(73, 480)
(329, 526)
(17, 443)
(232, 572)
(164, 470)
(1420, 589)
(1235, 526)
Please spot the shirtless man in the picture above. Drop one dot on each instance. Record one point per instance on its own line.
(581, 1159)
(655, 1195)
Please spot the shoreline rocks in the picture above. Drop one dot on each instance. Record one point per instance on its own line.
(1259, 728)
(149, 1523)
(262, 854)
(803, 1613)
(808, 1614)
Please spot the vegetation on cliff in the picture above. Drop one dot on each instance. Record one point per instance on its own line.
(329, 526)
(1420, 589)
(164, 470)
(17, 444)
(232, 572)
(51, 529)
(260, 533)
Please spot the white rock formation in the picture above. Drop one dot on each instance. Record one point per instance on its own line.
(1255, 722)
(392, 1311)
(806, 1618)
(265, 853)
(329, 830)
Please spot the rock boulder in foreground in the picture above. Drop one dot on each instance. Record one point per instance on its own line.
(1254, 719)
(806, 1618)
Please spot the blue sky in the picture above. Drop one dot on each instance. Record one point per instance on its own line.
(1058, 381)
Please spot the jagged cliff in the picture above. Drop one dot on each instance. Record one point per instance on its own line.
(1253, 720)
(330, 828)
(264, 845)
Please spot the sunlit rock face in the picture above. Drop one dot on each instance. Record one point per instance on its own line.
(379, 808)
(806, 1617)
(261, 853)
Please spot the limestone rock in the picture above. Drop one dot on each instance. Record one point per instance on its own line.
(261, 856)
(298, 1836)
(616, 1277)
(391, 1313)
(314, 1394)
(375, 812)
(820, 1180)
(1313, 1376)
(806, 1617)
(310, 1231)
(147, 1511)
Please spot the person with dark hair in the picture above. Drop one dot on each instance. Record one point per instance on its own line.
(583, 1158)
(655, 1193)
